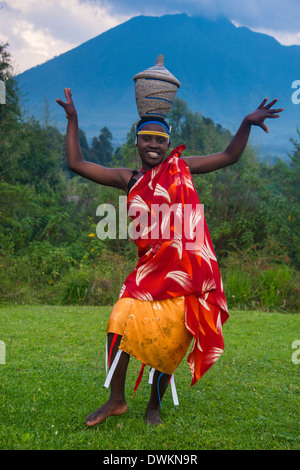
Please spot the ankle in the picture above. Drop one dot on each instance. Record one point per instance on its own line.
(117, 399)
(153, 406)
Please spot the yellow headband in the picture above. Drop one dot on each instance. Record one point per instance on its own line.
(162, 134)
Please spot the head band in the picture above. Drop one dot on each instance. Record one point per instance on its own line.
(153, 122)
(161, 134)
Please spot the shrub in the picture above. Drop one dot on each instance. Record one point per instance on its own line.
(239, 287)
(275, 286)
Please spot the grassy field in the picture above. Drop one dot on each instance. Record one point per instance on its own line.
(54, 373)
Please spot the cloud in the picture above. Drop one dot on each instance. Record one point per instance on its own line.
(34, 45)
(274, 15)
(37, 30)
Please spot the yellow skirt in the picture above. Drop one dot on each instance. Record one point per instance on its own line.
(153, 332)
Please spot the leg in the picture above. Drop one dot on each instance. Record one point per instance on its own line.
(159, 384)
(116, 405)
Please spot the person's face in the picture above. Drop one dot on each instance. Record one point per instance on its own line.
(152, 148)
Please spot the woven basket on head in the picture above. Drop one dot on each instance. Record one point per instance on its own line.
(155, 90)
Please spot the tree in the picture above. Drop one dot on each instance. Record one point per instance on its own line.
(200, 134)
(39, 161)
(102, 147)
(295, 168)
(10, 120)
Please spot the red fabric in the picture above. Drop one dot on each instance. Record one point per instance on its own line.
(181, 262)
(111, 348)
(138, 380)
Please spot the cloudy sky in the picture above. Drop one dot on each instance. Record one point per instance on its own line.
(38, 30)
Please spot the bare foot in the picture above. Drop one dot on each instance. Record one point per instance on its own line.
(110, 408)
(153, 416)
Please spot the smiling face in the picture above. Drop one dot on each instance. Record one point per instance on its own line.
(152, 147)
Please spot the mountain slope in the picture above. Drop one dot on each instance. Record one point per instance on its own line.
(225, 73)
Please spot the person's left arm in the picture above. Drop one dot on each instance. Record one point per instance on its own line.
(208, 163)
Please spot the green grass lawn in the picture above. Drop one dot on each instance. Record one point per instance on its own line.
(54, 373)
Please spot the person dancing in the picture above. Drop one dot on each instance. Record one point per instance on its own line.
(175, 295)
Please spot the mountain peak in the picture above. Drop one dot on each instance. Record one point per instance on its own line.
(225, 71)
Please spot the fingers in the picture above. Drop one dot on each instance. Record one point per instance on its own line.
(63, 105)
(271, 104)
(275, 115)
(264, 127)
(262, 104)
(68, 94)
(60, 102)
(268, 106)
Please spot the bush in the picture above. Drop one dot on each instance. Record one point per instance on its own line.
(248, 282)
(276, 287)
(77, 286)
(239, 288)
(98, 283)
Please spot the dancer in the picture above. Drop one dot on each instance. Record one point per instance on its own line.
(175, 295)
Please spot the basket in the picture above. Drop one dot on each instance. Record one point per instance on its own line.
(155, 90)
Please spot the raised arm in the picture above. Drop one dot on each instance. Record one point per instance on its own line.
(116, 177)
(208, 163)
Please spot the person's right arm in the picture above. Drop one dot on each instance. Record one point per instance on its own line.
(116, 177)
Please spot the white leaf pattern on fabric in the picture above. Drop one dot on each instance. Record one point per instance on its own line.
(180, 277)
(219, 323)
(202, 302)
(223, 305)
(174, 161)
(188, 182)
(160, 191)
(154, 171)
(178, 213)
(122, 290)
(213, 355)
(144, 270)
(209, 250)
(198, 345)
(201, 251)
(195, 218)
(138, 202)
(207, 285)
(149, 251)
(143, 296)
(177, 243)
(205, 255)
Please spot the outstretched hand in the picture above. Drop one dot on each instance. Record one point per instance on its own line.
(258, 116)
(69, 106)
